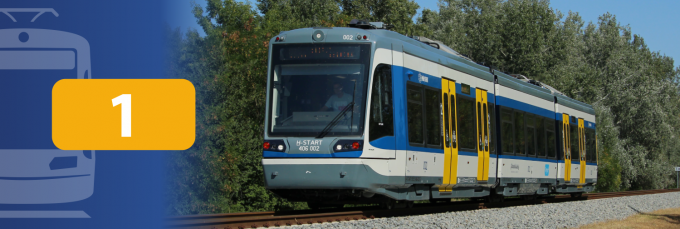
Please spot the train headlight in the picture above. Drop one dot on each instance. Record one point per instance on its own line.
(274, 145)
(347, 145)
(356, 145)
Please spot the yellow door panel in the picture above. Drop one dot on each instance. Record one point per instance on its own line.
(566, 147)
(582, 153)
(450, 146)
(447, 135)
(480, 147)
(453, 116)
(487, 128)
(482, 135)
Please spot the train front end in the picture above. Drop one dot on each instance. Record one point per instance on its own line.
(314, 139)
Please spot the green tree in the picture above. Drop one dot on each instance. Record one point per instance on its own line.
(222, 172)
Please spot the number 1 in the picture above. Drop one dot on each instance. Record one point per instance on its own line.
(125, 100)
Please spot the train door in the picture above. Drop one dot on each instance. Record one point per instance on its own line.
(565, 146)
(482, 136)
(582, 153)
(450, 143)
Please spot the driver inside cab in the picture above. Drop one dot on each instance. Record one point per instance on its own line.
(338, 101)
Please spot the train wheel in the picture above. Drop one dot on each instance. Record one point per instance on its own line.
(576, 195)
(409, 204)
(389, 204)
(495, 198)
(529, 197)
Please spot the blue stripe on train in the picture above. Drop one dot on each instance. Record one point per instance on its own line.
(587, 163)
(387, 142)
(423, 149)
(422, 78)
(511, 103)
(399, 101)
(587, 124)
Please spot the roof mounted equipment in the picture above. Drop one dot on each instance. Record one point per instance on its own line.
(536, 82)
(363, 24)
(441, 46)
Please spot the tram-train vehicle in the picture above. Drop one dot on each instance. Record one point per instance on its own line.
(363, 114)
(32, 169)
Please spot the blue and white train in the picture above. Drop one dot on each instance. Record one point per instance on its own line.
(363, 114)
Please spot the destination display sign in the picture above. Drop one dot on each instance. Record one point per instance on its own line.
(321, 52)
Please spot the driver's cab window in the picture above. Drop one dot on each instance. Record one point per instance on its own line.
(381, 117)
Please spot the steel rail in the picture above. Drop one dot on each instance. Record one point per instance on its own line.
(270, 218)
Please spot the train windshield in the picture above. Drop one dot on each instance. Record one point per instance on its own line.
(313, 87)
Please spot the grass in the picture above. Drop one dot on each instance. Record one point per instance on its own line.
(666, 218)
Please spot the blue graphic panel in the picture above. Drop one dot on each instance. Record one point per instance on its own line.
(42, 42)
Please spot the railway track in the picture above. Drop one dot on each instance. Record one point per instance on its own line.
(270, 219)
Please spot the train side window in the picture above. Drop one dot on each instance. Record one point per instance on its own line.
(519, 134)
(466, 121)
(531, 135)
(414, 95)
(574, 142)
(507, 136)
(540, 137)
(586, 143)
(582, 135)
(550, 137)
(480, 131)
(492, 132)
(590, 145)
(382, 120)
(593, 146)
(454, 128)
(433, 122)
(447, 132)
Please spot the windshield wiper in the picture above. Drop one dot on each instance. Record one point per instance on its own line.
(335, 120)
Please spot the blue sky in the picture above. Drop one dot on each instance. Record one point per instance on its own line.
(653, 20)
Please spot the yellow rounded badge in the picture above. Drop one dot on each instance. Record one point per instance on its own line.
(123, 114)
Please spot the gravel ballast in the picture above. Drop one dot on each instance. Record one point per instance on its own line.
(554, 215)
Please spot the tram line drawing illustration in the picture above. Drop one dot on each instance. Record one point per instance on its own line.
(32, 169)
